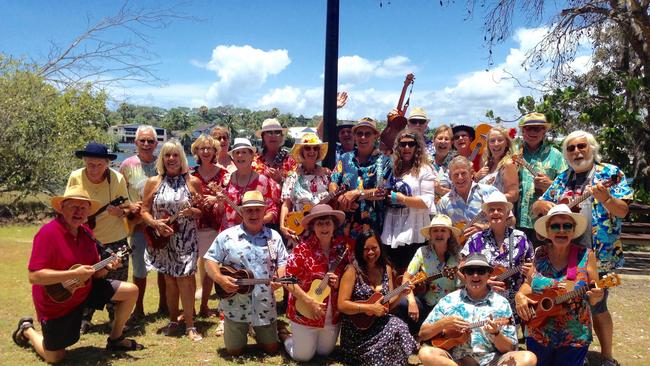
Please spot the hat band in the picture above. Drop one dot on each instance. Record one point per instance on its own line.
(535, 120)
(253, 202)
(241, 145)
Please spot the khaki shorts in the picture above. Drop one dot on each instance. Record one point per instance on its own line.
(235, 334)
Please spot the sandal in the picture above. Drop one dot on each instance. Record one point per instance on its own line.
(116, 345)
(193, 334)
(208, 313)
(170, 329)
(18, 336)
(283, 330)
(219, 331)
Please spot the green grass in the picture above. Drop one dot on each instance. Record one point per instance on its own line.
(630, 305)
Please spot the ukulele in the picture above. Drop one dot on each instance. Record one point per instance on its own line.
(217, 188)
(61, 292)
(420, 288)
(319, 290)
(501, 273)
(293, 220)
(520, 161)
(157, 241)
(462, 225)
(480, 140)
(92, 219)
(396, 123)
(245, 280)
(575, 201)
(364, 321)
(550, 302)
(448, 339)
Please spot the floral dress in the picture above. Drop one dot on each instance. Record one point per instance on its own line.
(178, 258)
(386, 342)
(236, 193)
(304, 189)
(210, 216)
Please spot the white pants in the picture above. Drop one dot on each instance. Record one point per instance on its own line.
(307, 341)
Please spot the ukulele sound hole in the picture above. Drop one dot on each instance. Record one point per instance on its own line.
(546, 304)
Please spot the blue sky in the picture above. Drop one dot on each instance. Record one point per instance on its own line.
(265, 54)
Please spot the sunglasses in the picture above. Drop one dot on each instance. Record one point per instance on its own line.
(418, 121)
(274, 132)
(221, 138)
(470, 271)
(311, 148)
(366, 134)
(556, 228)
(150, 142)
(407, 144)
(534, 128)
(580, 146)
(463, 136)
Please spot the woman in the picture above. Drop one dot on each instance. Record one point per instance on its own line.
(442, 140)
(273, 161)
(222, 136)
(411, 200)
(205, 150)
(564, 339)
(441, 255)
(244, 179)
(310, 260)
(502, 245)
(387, 341)
(170, 193)
(308, 184)
(498, 168)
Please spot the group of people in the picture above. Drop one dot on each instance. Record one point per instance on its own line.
(435, 248)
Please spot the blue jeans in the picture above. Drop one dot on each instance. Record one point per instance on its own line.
(557, 356)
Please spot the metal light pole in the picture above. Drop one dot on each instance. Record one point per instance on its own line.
(331, 81)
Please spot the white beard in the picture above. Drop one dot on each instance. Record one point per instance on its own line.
(582, 165)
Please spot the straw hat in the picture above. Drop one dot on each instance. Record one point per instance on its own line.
(242, 143)
(270, 124)
(77, 193)
(418, 113)
(440, 220)
(534, 119)
(308, 139)
(496, 198)
(253, 199)
(95, 150)
(475, 260)
(323, 210)
(581, 221)
(366, 122)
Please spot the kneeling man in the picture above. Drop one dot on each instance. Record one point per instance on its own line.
(60, 244)
(458, 313)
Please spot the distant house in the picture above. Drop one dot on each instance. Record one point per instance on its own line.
(297, 132)
(203, 129)
(125, 134)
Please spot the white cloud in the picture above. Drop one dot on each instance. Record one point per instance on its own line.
(167, 96)
(353, 70)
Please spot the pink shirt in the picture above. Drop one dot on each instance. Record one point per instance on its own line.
(55, 248)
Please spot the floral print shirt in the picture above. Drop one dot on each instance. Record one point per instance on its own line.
(304, 189)
(546, 160)
(286, 165)
(210, 217)
(308, 262)
(606, 229)
(459, 210)
(236, 193)
(237, 248)
(572, 329)
(426, 259)
(480, 347)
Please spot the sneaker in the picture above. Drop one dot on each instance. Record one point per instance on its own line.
(608, 362)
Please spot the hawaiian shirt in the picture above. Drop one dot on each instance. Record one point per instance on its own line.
(308, 262)
(355, 175)
(606, 229)
(210, 217)
(573, 328)
(454, 206)
(236, 248)
(263, 184)
(429, 147)
(285, 163)
(485, 243)
(546, 160)
(480, 347)
(136, 174)
(442, 169)
(426, 259)
(304, 189)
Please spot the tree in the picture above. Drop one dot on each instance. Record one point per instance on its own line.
(176, 120)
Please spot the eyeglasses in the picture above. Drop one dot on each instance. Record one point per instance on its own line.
(408, 144)
(311, 148)
(275, 132)
(556, 228)
(470, 271)
(366, 134)
(221, 138)
(205, 148)
(418, 121)
(580, 146)
(150, 142)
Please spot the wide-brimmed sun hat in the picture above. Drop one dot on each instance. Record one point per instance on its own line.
(312, 140)
(418, 113)
(496, 198)
(77, 193)
(366, 122)
(242, 143)
(252, 199)
(468, 129)
(580, 220)
(323, 210)
(443, 221)
(95, 150)
(475, 260)
(270, 124)
(534, 119)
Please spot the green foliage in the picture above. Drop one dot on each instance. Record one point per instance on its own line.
(41, 127)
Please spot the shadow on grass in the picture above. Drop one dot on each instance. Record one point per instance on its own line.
(91, 355)
(253, 353)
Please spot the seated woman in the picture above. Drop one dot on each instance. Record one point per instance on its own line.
(442, 252)
(565, 339)
(320, 254)
(387, 341)
(498, 168)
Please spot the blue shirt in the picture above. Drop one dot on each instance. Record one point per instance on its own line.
(236, 248)
(480, 347)
(454, 206)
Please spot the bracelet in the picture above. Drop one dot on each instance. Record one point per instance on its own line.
(359, 308)
(393, 197)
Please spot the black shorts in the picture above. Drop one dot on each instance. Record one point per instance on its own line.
(63, 332)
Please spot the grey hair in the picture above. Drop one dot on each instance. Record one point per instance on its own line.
(462, 161)
(591, 140)
(144, 128)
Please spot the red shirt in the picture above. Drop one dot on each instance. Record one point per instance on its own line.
(210, 217)
(286, 165)
(308, 262)
(55, 248)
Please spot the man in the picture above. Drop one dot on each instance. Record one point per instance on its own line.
(466, 197)
(463, 137)
(605, 209)
(58, 245)
(419, 122)
(256, 248)
(545, 160)
(104, 185)
(136, 169)
(492, 344)
(345, 138)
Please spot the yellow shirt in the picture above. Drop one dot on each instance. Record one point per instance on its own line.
(109, 228)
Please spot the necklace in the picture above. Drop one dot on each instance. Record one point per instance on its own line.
(237, 181)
